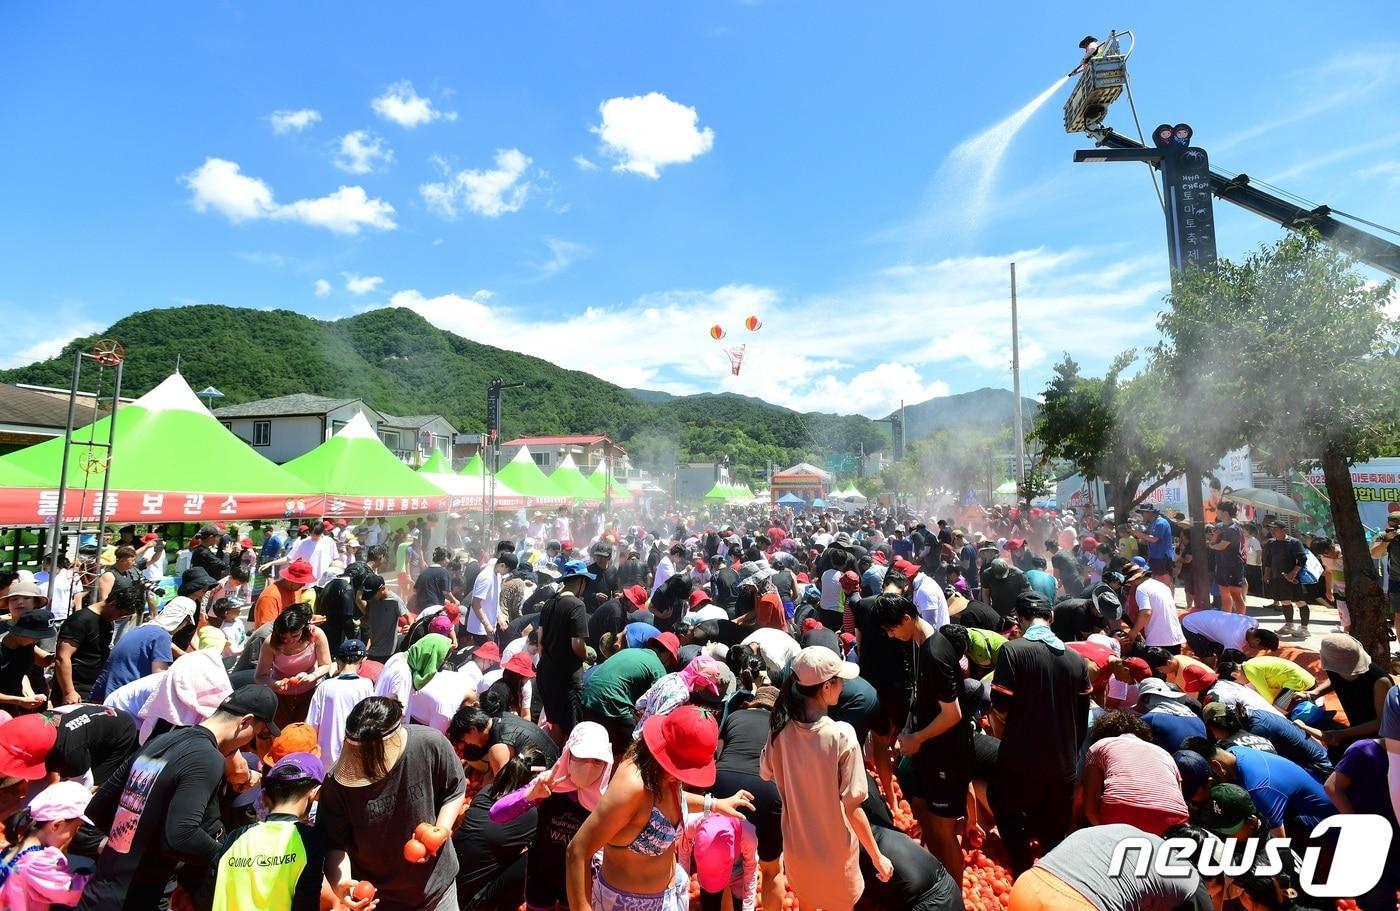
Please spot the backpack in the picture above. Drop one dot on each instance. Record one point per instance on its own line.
(1312, 569)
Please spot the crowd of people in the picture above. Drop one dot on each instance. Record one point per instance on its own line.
(587, 711)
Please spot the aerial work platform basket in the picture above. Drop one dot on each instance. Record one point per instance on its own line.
(1102, 78)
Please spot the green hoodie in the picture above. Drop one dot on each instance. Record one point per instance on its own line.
(426, 656)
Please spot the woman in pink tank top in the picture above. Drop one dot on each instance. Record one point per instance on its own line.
(294, 659)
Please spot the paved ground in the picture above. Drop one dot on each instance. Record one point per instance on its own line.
(1323, 620)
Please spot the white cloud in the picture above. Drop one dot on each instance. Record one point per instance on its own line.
(286, 121)
(490, 193)
(323, 287)
(647, 132)
(361, 284)
(47, 348)
(219, 185)
(562, 255)
(404, 106)
(584, 164)
(908, 332)
(362, 152)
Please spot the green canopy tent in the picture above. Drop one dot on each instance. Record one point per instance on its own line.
(571, 481)
(600, 482)
(437, 464)
(717, 494)
(522, 475)
(171, 461)
(359, 475)
(473, 485)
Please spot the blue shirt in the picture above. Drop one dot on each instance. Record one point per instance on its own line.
(131, 659)
(1281, 790)
(1042, 582)
(1160, 549)
(1290, 742)
(902, 547)
(1169, 730)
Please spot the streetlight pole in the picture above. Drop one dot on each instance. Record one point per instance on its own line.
(1190, 217)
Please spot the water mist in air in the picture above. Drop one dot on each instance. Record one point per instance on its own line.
(961, 192)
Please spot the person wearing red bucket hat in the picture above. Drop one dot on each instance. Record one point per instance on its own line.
(817, 766)
(645, 799)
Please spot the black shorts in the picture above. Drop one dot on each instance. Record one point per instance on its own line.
(767, 813)
(1231, 579)
(1160, 566)
(944, 778)
(1280, 589)
(1316, 593)
(563, 706)
(1201, 646)
(893, 712)
(985, 749)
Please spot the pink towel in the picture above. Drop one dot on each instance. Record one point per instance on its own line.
(194, 687)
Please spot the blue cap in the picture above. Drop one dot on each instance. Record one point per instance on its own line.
(576, 568)
(298, 767)
(351, 650)
(1194, 771)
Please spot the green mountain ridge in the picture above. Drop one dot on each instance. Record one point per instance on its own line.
(398, 362)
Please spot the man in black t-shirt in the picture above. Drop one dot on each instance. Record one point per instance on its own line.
(85, 642)
(88, 738)
(434, 584)
(884, 664)
(1040, 697)
(724, 582)
(205, 557)
(937, 735)
(1387, 544)
(978, 615)
(563, 646)
(1001, 583)
(604, 582)
(160, 808)
(1228, 544)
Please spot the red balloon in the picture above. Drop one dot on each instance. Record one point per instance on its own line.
(752, 324)
(716, 332)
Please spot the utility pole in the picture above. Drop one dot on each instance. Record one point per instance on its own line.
(493, 435)
(1017, 428)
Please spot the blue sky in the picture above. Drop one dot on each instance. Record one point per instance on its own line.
(598, 183)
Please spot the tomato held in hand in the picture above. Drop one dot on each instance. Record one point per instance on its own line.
(364, 890)
(433, 837)
(414, 851)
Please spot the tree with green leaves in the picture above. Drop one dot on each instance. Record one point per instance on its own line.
(1297, 350)
(1110, 428)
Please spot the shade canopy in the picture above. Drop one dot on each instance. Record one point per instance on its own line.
(171, 460)
(791, 499)
(608, 486)
(572, 483)
(358, 473)
(524, 476)
(437, 464)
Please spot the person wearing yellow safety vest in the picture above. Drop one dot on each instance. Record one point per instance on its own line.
(275, 865)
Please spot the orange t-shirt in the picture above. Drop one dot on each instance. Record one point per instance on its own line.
(273, 600)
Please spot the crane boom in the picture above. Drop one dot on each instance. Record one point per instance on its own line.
(1364, 246)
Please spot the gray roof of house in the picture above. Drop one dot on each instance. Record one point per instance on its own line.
(296, 403)
(415, 421)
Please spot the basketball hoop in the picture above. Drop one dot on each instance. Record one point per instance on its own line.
(736, 358)
(108, 352)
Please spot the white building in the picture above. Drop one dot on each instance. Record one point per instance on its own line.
(287, 426)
